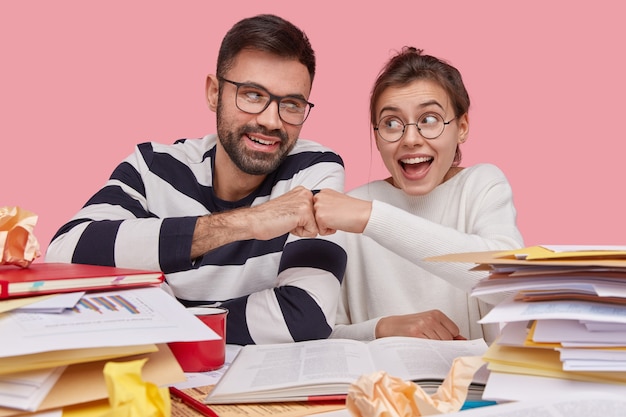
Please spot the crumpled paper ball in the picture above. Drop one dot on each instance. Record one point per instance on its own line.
(130, 395)
(381, 395)
(18, 244)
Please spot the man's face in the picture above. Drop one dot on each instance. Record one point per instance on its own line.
(258, 143)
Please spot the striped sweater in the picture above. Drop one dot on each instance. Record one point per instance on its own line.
(282, 290)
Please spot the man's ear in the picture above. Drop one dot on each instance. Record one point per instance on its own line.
(212, 91)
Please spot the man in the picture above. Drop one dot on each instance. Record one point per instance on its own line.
(229, 217)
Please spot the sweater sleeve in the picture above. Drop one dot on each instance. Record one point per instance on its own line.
(303, 305)
(116, 228)
(489, 223)
(345, 329)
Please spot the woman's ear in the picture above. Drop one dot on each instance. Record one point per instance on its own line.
(463, 128)
(212, 91)
(374, 137)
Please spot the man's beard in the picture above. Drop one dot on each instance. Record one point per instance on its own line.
(251, 162)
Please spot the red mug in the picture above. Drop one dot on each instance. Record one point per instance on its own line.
(203, 355)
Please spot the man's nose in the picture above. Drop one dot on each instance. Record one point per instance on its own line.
(270, 117)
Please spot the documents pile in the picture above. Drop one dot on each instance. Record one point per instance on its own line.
(563, 319)
(57, 338)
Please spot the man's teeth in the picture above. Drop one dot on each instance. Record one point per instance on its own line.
(263, 142)
(416, 160)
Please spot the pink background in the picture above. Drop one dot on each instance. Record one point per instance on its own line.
(82, 82)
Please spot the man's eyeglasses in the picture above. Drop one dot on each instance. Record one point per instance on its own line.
(429, 125)
(254, 99)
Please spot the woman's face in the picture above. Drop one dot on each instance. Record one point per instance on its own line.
(418, 165)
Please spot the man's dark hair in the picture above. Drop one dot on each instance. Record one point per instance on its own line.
(268, 33)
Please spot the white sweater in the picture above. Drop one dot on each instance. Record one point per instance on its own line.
(385, 275)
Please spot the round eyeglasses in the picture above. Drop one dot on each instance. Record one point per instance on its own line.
(254, 99)
(429, 125)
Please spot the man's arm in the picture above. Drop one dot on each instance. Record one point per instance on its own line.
(290, 213)
(303, 303)
(125, 223)
(302, 306)
(282, 289)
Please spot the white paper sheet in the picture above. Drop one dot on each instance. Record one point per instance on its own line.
(602, 326)
(511, 310)
(589, 404)
(590, 286)
(514, 333)
(517, 387)
(592, 354)
(115, 318)
(556, 331)
(26, 390)
(55, 304)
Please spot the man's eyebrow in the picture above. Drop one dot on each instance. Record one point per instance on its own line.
(262, 87)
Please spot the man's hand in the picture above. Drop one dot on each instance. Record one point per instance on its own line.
(431, 324)
(337, 211)
(292, 212)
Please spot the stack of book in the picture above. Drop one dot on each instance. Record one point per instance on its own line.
(563, 320)
(61, 323)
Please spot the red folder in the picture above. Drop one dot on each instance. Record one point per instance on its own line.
(49, 278)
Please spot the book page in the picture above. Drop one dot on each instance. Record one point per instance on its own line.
(313, 363)
(418, 359)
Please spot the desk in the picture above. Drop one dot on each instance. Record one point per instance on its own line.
(295, 409)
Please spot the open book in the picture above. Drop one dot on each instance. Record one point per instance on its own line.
(318, 369)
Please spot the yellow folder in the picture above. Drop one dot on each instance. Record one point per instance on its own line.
(541, 362)
(83, 383)
(52, 359)
(566, 252)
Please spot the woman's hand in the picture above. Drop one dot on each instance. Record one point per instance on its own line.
(431, 324)
(337, 211)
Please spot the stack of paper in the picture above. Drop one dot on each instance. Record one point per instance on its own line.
(564, 322)
(54, 347)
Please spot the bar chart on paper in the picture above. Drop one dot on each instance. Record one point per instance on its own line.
(114, 318)
(99, 312)
(111, 303)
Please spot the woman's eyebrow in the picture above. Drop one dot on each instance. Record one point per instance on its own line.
(431, 103)
(421, 105)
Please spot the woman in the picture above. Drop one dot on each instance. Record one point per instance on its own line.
(428, 206)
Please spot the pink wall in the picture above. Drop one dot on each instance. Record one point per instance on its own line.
(82, 82)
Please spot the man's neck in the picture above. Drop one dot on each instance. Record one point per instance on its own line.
(229, 182)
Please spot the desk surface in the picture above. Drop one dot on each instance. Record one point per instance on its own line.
(295, 409)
